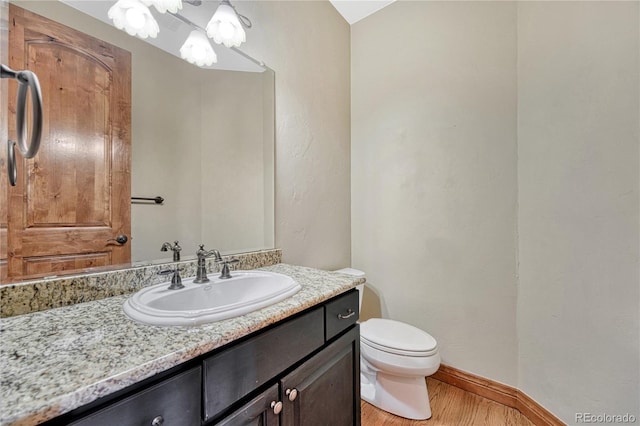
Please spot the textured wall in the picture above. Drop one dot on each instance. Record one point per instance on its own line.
(527, 277)
(434, 174)
(578, 132)
(306, 43)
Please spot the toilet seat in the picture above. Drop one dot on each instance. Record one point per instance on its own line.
(397, 338)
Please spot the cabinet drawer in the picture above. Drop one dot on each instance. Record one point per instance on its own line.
(341, 313)
(234, 373)
(176, 399)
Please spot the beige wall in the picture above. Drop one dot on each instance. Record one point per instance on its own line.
(578, 133)
(165, 153)
(495, 181)
(306, 43)
(200, 141)
(233, 192)
(434, 174)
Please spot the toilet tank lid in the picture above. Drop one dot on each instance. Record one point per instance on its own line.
(350, 271)
(397, 335)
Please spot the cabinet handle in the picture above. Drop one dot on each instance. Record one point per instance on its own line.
(277, 407)
(349, 314)
(291, 393)
(158, 421)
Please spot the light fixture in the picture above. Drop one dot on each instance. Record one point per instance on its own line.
(226, 25)
(133, 17)
(197, 50)
(163, 6)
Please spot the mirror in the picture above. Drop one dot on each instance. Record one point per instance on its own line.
(202, 139)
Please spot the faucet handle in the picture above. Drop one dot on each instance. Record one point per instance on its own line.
(171, 270)
(176, 280)
(225, 273)
(228, 261)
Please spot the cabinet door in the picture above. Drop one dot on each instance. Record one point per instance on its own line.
(325, 390)
(262, 410)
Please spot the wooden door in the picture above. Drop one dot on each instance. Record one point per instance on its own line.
(74, 196)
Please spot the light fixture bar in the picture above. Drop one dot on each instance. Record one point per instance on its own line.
(185, 20)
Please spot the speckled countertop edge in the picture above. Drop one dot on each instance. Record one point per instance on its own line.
(39, 295)
(57, 360)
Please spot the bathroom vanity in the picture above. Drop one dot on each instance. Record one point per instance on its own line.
(295, 362)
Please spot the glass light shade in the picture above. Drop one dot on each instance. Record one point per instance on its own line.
(225, 28)
(134, 18)
(163, 6)
(197, 50)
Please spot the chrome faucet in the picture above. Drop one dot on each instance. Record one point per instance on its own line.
(201, 271)
(175, 248)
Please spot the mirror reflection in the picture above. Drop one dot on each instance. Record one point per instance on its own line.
(202, 139)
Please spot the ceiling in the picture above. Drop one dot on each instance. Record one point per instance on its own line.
(355, 10)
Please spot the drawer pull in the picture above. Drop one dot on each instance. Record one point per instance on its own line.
(277, 407)
(158, 421)
(292, 394)
(349, 314)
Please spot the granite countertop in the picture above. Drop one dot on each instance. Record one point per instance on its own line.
(60, 359)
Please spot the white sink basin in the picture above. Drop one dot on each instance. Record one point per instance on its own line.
(219, 299)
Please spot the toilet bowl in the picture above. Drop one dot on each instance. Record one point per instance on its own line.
(395, 358)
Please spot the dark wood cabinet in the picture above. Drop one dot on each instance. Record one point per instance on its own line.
(174, 401)
(232, 374)
(262, 410)
(302, 371)
(325, 389)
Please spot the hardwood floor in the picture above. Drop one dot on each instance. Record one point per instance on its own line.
(450, 406)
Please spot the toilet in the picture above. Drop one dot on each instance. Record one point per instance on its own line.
(395, 358)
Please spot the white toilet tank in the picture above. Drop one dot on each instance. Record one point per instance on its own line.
(356, 273)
